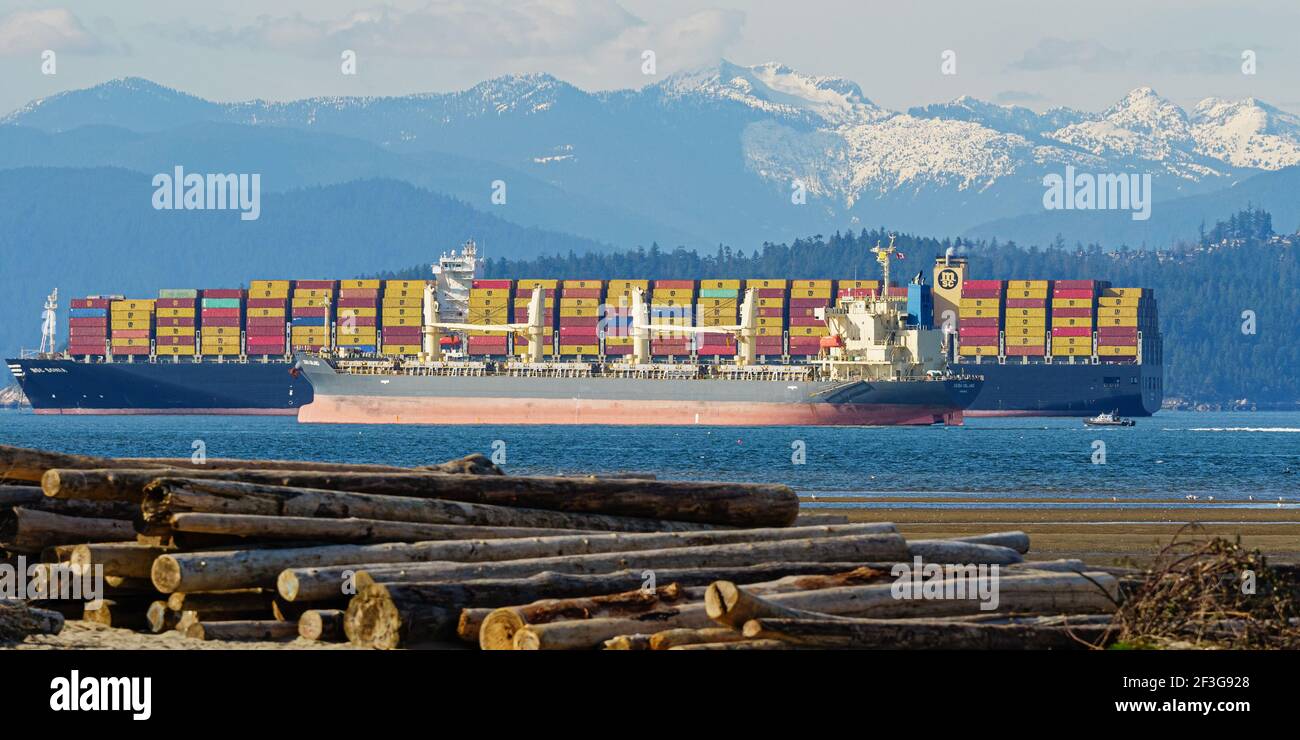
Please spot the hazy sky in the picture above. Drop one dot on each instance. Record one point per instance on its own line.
(1040, 54)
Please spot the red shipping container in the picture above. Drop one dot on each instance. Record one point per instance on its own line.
(581, 292)
(983, 284)
(221, 321)
(372, 293)
(266, 302)
(591, 321)
(1026, 303)
(88, 321)
(86, 349)
(1071, 331)
(265, 342)
(174, 341)
(979, 321)
(1026, 351)
(771, 313)
(1072, 313)
(311, 312)
(356, 321)
(809, 302)
(1074, 284)
(1117, 332)
(578, 331)
(266, 321)
(718, 351)
(223, 293)
(219, 312)
(87, 331)
(980, 341)
(1071, 293)
(858, 292)
(980, 293)
(265, 330)
(89, 303)
(402, 331)
(717, 340)
(806, 321)
(356, 302)
(675, 284)
(771, 292)
(131, 333)
(176, 321)
(130, 350)
(314, 284)
(175, 303)
(618, 349)
(491, 284)
(978, 331)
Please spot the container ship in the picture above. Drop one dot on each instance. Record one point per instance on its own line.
(1042, 347)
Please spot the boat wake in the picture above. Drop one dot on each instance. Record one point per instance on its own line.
(1291, 430)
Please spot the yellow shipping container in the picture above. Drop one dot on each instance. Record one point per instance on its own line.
(131, 316)
(523, 302)
(809, 331)
(579, 311)
(1027, 312)
(221, 351)
(719, 285)
(810, 285)
(398, 301)
(584, 284)
(348, 340)
(1071, 303)
(345, 313)
(130, 341)
(771, 331)
(345, 328)
(132, 325)
(627, 285)
(488, 293)
(400, 349)
(769, 302)
(312, 293)
(403, 285)
(717, 321)
(1027, 285)
(1123, 311)
(859, 284)
(763, 283)
(312, 302)
(1117, 350)
(978, 350)
(1032, 340)
(266, 313)
(175, 331)
(1027, 294)
(220, 342)
(1117, 301)
(1123, 292)
(619, 341)
(1026, 331)
(1071, 341)
(574, 302)
(175, 313)
(403, 320)
(1068, 351)
(487, 332)
(135, 304)
(279, 295)
(579, 349)
(1072, 321)
(313, 333)
(810, 293)
(1117, 321)
(272, 285)
(1039, 321)
(669, 295)
(530, 284)
(717, 302)
(978, 313)
(390, 293)
(980, 303)
(771, 321)
(175, 349)
(221, 331)
(396, 312)
(359, 284)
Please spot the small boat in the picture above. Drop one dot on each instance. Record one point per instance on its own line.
(1109, 419)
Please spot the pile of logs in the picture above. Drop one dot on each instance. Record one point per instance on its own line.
(387, 557)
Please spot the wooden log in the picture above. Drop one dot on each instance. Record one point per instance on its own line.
(128, 613)
(250, 630)
(159, 618)
(734, 504)
(738, 645)
(23, 464)
(120, 559)
(587, 634)
(549, 584)
(807, 520)
(732, 606)
(167, 496)
(346, 530)
(19, 621)
(251, 601)
(956, 551)
(1015, 539)
(929, 634)
(322, 582)
(322, 625)
(30, 531)
(669, 639)
(628, 642)
(32, 497)
(1062, 565)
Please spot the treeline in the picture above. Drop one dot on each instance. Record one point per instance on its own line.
(1229, 314)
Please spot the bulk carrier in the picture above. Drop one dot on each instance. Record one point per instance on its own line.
(1073, 348)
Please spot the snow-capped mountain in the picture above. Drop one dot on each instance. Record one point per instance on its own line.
(713, 154)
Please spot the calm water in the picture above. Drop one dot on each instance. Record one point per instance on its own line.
(1231, 457)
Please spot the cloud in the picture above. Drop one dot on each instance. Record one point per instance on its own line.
(1019, 96)
(32, 31)
(448, 29)
(690, 41)
(1055, 53)
(1198, 61)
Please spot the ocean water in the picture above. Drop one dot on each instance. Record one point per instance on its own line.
(1252, 459)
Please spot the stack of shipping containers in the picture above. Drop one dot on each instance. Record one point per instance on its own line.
(131, 323)
(266, 317)
(221, 322)
(806, 330)
(670, 305)
(580, 302)
(357, 328)
(402, 318)
(718, 305)
(175, 325)
(617, 315)
(523, 295)
(88, 326)
(1073, 302)
(309, 326)
(1026, 318)
(1121, 314)
(770, 296)
(979, 318)
(489, 303)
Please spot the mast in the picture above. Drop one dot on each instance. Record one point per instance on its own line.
(49, 323)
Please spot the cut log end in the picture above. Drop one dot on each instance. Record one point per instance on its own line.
(166, 574)
(499, 630)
